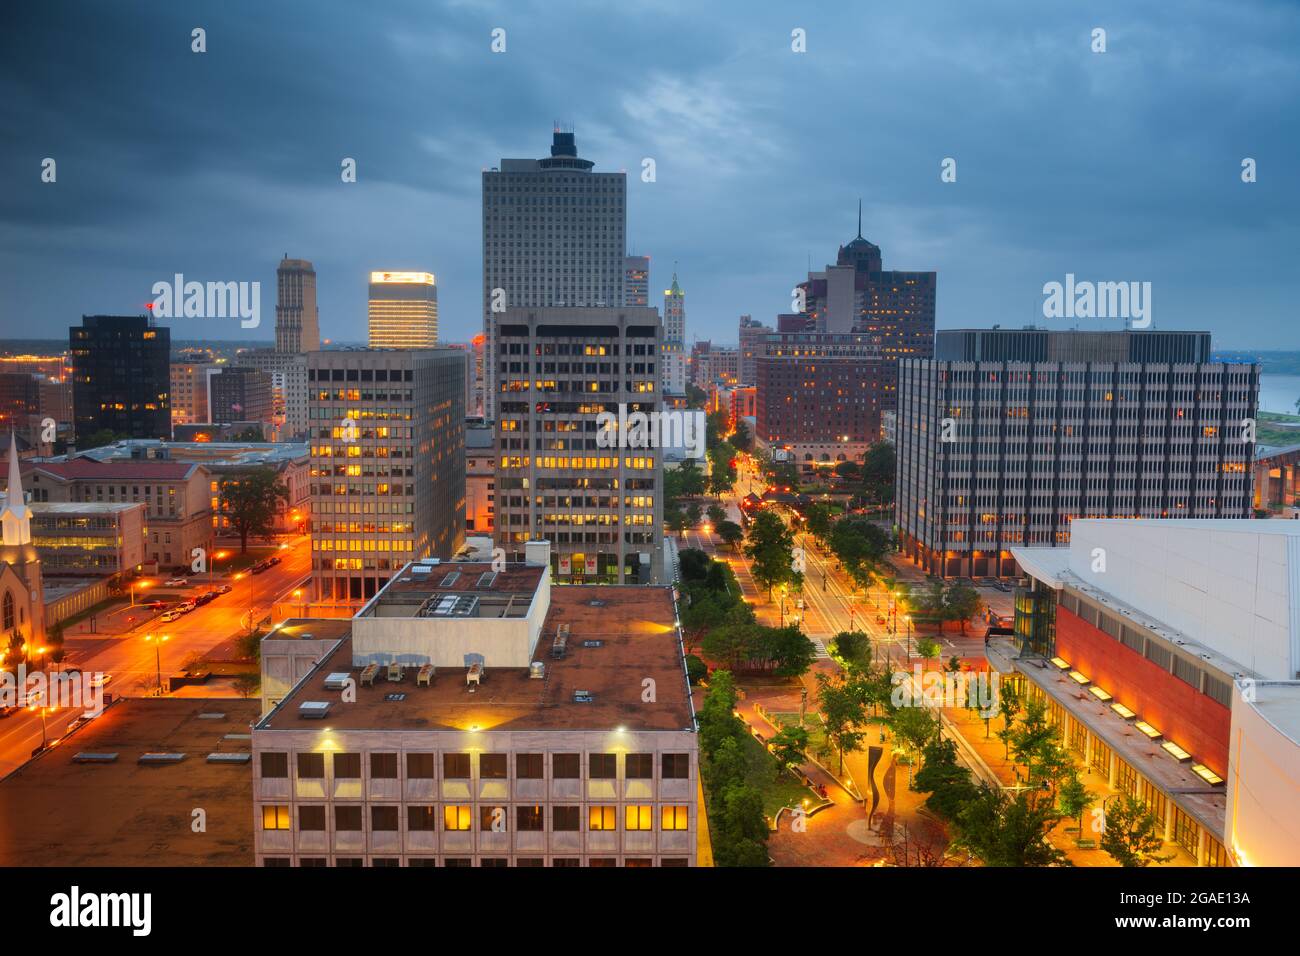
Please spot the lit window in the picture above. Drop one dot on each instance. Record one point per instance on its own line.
(638, 817)
(456, 817)
(275, 817)
(675, 818)
(602, 818)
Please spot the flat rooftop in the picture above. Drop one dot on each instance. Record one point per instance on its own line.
(457, 589)
(311, 629)
(618, 635)
(55, 811)
(1279, 703)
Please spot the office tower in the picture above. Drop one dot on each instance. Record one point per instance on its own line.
(674, 350)
(288, 373)
(819, 395)
(467, 353)
(751, 344)
(189, 392)
(636, 280)
(387, 431)
(297, 321)
(403, 310)
(600, 507)
(480, 479)
(121, 379)
(509, 728)
(553, 235)
(1011, 434)
(1170, 668)
(20, 403)
(241, 394)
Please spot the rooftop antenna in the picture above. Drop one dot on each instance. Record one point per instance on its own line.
(859, 217)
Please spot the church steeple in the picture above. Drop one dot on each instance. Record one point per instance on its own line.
(15, 516)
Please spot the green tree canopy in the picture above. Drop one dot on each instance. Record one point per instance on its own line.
(249, 501)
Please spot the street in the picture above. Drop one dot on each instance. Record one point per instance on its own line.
(133, 663)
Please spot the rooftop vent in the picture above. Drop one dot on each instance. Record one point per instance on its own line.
(337, 680)
(536, 670)
(160, 758)
(421, 569)
(561, 642)
(95, 758)
(595, 602)
(314, 708)
(450, 579)
(212, 715)
(593, 643)
(451, 605)
(394, 698)
(237, 737)
(229, 758)
(583, 697)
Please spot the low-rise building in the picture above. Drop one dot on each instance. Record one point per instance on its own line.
(474, 716)
(95, 538)
(480, 478)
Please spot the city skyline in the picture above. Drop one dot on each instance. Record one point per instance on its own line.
(188, 168)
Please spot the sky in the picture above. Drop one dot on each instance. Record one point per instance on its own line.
(1117, 166)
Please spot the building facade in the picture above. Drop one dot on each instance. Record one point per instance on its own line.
(241, 394)
(752, 335)
(554, 234)
(387, 465)
(189, 392)
(480, 479)
(121, 376)
(1167, 652)
(558, 477)
(403, 310)
(636, 280)
(996, 453)
(89, 538)
(297, 320)
(494, 725)
(674, 347)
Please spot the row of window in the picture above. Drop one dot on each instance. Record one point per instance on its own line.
(491, 766)
(385, 818)
(464, 861)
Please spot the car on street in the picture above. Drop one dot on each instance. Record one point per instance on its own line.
(223, 589)
(204, 598)
(173, 615)
(99, 680)
(175, 582)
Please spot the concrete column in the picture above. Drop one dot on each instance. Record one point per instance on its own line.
(1202, 846)
(1169, 820)
(1112, 771)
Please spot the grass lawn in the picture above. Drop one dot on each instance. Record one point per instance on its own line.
(234, 561)
(778, 792)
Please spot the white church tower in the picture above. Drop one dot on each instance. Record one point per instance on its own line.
(22, 594)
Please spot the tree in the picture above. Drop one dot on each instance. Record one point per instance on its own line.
(1131, 833)
(694, 564)
(742, 828)
(684, 481)
(1005, 830)
(788, 746)
(818, 521)
(848, 470)
(1074, 798)
(927, 649)
(842, 713)
(851, 647)
(730, 533)
(771, 549)
(961, 602)
(675, 518)
(860, 545)
(247, 684)
(742, 439)
(253, 433)
(1036, 743)
(786, 650)
(695, 669)
(716, 514)
(948, 784)
(100, 438)
(250, 501)
(915, 728)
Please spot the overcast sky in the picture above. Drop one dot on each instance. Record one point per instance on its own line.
(1117, 166)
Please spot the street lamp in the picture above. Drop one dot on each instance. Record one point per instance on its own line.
(137, 584)
(245, 574)
(297, 593)
(212, 568)
(157, 642)
(908, 619)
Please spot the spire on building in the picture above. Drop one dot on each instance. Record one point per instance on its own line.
(859, 217)
(15, 516)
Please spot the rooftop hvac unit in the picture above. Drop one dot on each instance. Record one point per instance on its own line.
(160, 758)
(421, 569)
(474, 675)
(337, 681)
(561, 642)
(536, 670)
(315, 709)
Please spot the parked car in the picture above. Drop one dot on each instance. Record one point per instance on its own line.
(99, 680)
(258, 568)
(204, 598)
(223, 589)
(175, 582)
(173, 615)
(156, 605)
(272, 560)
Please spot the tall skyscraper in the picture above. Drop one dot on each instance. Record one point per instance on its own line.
(600, 505)
(189, 392)
(387, 431)
(297, 322)
(636, 280)
(121, 376)
(288, 371)
(403, 310)
(1007, 435)
(674, 349)
(554, 234)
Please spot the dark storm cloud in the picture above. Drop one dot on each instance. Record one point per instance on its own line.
(1117, 166)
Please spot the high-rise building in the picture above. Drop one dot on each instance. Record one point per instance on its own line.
(714, 365)
(819, 395)
(507, 728)
(554, 234)
(674, 349)
(242, 394)
(288, 371)
(189, 392)
(600, 507)
(388, 465)
(636, 280)
(297, 321)
(403, 310)
(751, 345)
(121, 379)
(1008, 435)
